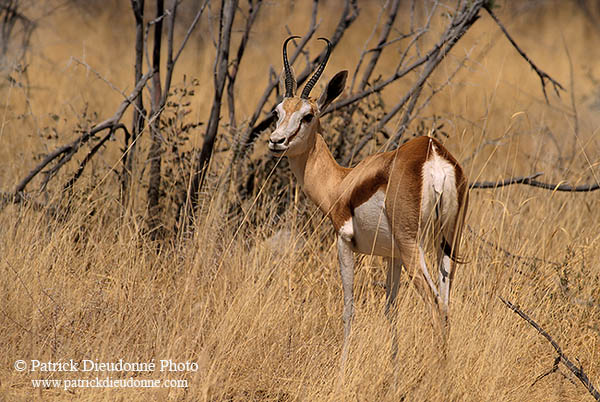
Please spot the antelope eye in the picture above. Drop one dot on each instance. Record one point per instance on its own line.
(308, 118)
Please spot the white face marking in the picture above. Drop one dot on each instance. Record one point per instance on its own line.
(291, 133)
(280, 114)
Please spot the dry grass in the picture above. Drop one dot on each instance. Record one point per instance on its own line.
(262, 321)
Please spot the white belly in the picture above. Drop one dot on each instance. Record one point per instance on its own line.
(372, 231)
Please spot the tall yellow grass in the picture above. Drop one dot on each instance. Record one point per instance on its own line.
(262, 318)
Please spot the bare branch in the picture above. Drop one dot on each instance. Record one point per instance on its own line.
(554, 369)
(190, 30)
(97, 74)
(380, 44)
(228, 10)
(130, 144)
(154, 153)
(505, 182)
(573, 104)
(459, 25)
(69, 184)
(577, 371)
(232, 74)
(530, 181)
(364, 51)
(172, 60)
(157, 20)
(525, 258)
(67, 151)
(543, 76)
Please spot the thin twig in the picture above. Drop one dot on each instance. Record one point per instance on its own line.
(554, 369)
(235, 65)
(364, 50)
(190, 30)
(543, 76)
(573, 104)
(154, 152)
(203, 158)
(459, 25)
(577, 371)
(382, 40)
(69, 184)
(97, 74)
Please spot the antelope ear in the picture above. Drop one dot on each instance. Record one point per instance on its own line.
(333, 89)
(282, 82)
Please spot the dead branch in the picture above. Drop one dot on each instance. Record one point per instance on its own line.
(464, 17)
(154, 153)
(227, 15)
(577, 371)
(460, 24)
(349, 14)
(543, 76)
(66, 152)
(190, 30)
(172, 60)
(69, 184)
(364, 50)
(554, 369)
(530, 181)
(573, 104)
(232, 74)
(381, 43)
(130, 144)
(149, 25)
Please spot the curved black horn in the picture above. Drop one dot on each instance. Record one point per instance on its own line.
(289, 80)
(313, 80)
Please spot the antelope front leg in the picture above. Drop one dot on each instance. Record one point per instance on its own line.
(346, 259)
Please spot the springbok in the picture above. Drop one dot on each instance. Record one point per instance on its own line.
(390, 204)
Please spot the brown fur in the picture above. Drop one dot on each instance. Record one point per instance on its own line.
(338, 190)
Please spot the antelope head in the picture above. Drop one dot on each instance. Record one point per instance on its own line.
(298, 116)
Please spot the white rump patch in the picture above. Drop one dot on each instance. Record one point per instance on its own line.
(439, 183)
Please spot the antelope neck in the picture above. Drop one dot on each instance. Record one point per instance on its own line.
(319, 174)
